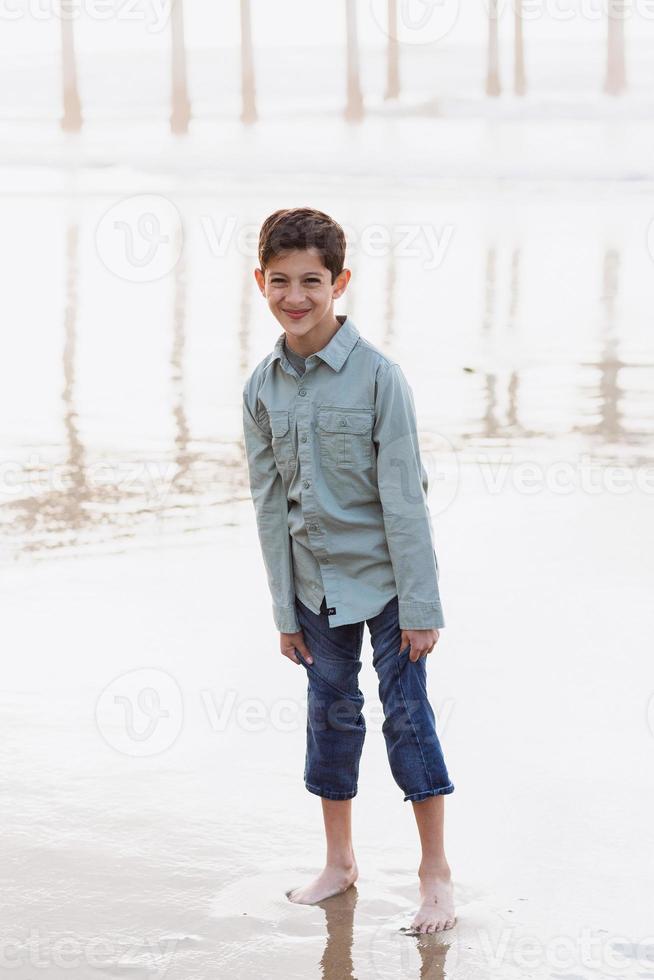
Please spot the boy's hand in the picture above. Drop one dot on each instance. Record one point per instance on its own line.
(422, 642)
(289, 641)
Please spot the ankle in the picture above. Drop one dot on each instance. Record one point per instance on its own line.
(344, 861)
(435, 869)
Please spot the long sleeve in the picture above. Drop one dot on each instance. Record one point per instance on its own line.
(403, 487)
(271, 509)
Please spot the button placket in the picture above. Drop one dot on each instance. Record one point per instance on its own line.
(311, 517)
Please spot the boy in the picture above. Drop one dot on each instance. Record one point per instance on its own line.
(340, 496)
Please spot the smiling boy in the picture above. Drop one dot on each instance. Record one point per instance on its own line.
(340, 497)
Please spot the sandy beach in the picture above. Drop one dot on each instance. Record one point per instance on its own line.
(153, 750)
(153, 809)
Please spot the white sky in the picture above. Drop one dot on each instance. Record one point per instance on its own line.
(31, 26)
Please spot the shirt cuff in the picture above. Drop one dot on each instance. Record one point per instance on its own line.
(420, 615)
(286, 619)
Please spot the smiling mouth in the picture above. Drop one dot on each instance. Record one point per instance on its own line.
(296, 314)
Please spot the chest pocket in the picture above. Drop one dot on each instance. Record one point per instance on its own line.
(282, 443)
(345, 436)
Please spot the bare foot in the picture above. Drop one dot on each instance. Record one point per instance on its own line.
(332, 880)
(436, 912)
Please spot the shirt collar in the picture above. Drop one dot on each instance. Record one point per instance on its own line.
(335, 353)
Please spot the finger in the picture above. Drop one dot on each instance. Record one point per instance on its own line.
(304, 650)
(290, 653)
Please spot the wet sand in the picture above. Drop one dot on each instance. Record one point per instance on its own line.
(153, 809)
(163, 811)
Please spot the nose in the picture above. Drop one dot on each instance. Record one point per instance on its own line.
(295, 295)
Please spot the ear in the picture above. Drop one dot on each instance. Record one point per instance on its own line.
(261, 280)
(340, 283)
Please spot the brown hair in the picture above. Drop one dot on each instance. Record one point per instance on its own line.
(302, 228)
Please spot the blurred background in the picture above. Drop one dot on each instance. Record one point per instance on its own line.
(492, 165)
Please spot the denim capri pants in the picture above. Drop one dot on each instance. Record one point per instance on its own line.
(335, 724)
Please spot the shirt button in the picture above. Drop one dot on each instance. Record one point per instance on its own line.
(302, 391)
(314, 527)
(303, 439)
(306, 483)
(343, 422)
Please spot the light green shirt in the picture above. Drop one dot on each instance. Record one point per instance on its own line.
(338, 485)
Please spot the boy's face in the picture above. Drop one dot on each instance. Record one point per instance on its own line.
(300, 291)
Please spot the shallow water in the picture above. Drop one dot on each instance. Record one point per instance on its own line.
(519, 315)
(154, 812)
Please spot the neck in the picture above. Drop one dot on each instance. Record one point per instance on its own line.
(316, 338)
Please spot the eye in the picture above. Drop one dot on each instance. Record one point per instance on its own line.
(313, 281)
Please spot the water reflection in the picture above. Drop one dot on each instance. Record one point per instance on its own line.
(608, 365)
(184, 456)
(78, 495)
(46, 515)
(501, 418)
(337, 962)
(68, 507)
